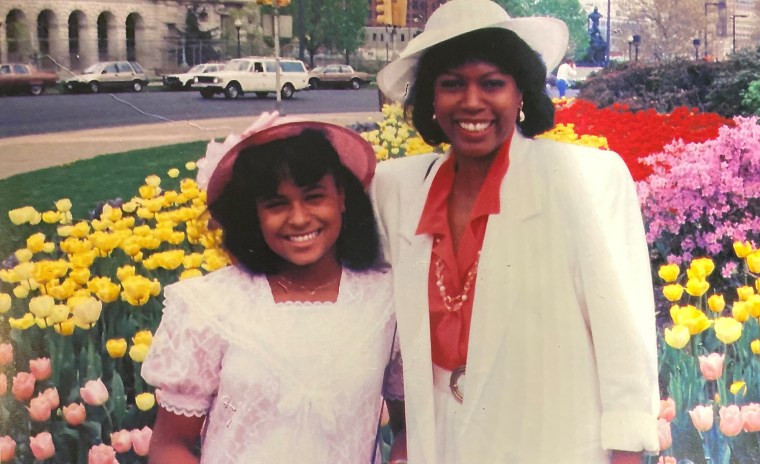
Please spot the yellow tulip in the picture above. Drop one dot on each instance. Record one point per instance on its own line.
(86, 311)
(136, 290)
(744, 292)
(716, 303)
(144, 213)
(80, 276)
(83, 259)
(80, 229)
(45, 271)
(64, 204)
(5, 303)
(23, 215)
(145, 401)
(191, 166)
(190, 273)
(677, 337)
(143, 337)
(173, 173)
(20, 292)
(64, 231)
(41, 306)
(125, 271)
(41, 323)
(104, 289)
(153, 180)
(97, 224)
(753, 262)
(111, 214)
(59, 313)
(51, 217)
(105, 242)
(36, 242)
(176, 238)
(755, 346)
(24, 255)
(740, 311)
(22, 323)
(124, 223)
(669, 272)
(192, 260)
(61, 291)
(753, 304)
(697, 286)
(170, 259)
(73, 245)
(691, 317)
(706, 265)
(738, 387)
(728, 329)
(116, 347)
(742, 249)
(673, 292)
(139, 352)
(65, 328)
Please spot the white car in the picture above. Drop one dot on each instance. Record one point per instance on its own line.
(256, 75)
(184, 81)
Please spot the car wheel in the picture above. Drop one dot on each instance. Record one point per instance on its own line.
(94, 87)
(37, 89)
(314, 84)
(232, 91)
(188, 84)
(287, 91)
(262, 94)
(356, 84)
(137, 86)
(207, 94)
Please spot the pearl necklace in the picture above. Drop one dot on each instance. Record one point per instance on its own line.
(284, 283)
(454, 303)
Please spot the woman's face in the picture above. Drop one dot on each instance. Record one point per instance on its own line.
(302, 224)
(476, 106)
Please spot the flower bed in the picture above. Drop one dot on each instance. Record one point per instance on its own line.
(81, 297)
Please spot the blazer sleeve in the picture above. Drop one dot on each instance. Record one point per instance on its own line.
(615, 280)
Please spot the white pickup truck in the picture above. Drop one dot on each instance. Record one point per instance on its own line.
(254, 74)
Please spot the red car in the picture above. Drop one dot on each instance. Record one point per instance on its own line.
(24, 78)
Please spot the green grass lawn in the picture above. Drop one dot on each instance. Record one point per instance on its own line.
(86, 183)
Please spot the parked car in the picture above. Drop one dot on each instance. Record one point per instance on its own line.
(337, 75)
(184, 81)
(254, 74)
(24, 78)
(109, 75)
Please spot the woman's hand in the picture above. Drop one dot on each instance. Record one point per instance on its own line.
(174, 439)
(626, 457)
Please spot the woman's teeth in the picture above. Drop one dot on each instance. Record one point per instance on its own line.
(303, 238)
(474, 126)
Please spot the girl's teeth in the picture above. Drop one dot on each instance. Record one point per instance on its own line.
(303, 238)
(474, 126)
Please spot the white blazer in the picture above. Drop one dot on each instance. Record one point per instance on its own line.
(562, 360)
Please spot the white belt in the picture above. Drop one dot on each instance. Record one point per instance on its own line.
(451, 381)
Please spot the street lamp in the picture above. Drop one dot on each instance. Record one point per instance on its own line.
(696, 43)
(733, 28)
(636, 43)
(721, 6)
(238, 25)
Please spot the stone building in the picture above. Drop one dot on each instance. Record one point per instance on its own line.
(72, 34)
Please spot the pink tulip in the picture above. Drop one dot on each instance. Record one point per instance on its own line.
(7, 448)
(751, 417)
(39, 409)
(121, 440)
(23, 386)
(731, 421)
(41, 368)
(667, 409)
(94, 393)
(711, 366)
(6, 354)
(141, 440)
(3, 384)
(51, 395)
(42, 446)
(667, 460)
(702, 417)
(74, 414)
(663, 433)
(101, 454)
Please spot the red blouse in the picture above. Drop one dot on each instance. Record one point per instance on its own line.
(450, 330)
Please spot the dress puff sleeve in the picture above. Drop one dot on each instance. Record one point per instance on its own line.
(185, 358)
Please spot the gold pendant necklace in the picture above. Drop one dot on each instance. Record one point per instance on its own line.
(285, 283)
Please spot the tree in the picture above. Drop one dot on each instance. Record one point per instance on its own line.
(569, 11)
(667, 27)
(345, 20)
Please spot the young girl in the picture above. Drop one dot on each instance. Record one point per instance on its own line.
(280, 358)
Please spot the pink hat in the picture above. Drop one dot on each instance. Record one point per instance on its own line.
(355, 153)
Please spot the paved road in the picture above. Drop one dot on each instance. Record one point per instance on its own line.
(24, 115)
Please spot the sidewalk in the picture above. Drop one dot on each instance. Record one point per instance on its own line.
(33, 152)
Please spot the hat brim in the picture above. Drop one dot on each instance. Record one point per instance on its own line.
(355, 153)
(547, 36)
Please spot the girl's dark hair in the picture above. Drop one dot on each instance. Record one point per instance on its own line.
(500, 47)
(304, 159)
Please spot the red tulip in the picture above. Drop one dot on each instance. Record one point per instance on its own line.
(751, 417)
(39, 409)
(3, 384)
(23, 386)
(101, 454)
(42, 446)
(7, 448)
(51, 395)
(121, 440)
(702, 417)
(94, 393)
(6, 354)
(664, 434)
(74, 414)
(731, 421)
(711, 366)
(41, 368)
(667, 409)
(141, 440)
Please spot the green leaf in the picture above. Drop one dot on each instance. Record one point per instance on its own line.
(118, 400)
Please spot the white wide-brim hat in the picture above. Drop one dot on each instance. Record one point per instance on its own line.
(547, 36)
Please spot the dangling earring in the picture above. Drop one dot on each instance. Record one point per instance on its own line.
(434, 117)
(521, 114)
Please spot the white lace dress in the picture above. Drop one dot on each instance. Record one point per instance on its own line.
(279, 382)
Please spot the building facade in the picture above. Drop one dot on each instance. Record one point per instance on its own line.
(72, 34)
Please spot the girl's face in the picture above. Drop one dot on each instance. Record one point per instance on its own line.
(476, 106)
(302, 224)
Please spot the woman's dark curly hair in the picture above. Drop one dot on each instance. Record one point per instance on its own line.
(305, 159)
(500, 47)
